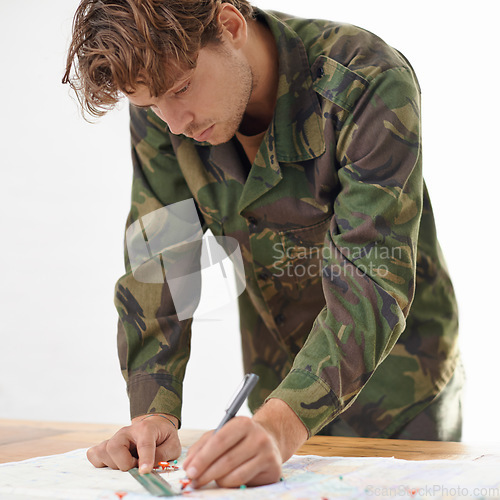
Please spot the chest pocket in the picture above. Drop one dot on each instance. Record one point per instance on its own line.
(303, 252)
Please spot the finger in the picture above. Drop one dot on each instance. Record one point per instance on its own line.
(229, 461)
(99, 457)
(95, 456)
(118, 449)
(153, 447)
(254, 472)
(217, 445)
(268, 476)
(243, 473)
(146, 451)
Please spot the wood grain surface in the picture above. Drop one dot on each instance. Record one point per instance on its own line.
(20, 440)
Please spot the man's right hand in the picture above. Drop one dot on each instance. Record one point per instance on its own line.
(144, 443)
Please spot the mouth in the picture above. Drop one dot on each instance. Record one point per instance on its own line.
(205, 135)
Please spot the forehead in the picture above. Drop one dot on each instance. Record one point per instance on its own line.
(159, 80)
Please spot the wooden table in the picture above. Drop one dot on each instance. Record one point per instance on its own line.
(20, 440)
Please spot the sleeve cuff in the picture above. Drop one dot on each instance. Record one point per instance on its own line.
(310, 398)
(155, 393)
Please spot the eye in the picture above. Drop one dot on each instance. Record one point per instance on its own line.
(184, 89)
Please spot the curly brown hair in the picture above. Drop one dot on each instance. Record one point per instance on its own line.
(119, 44)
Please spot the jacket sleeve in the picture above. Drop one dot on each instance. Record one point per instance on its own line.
(370, 251)
(153, 344)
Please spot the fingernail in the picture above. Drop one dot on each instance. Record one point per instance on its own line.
(143, 468)
(191, 472)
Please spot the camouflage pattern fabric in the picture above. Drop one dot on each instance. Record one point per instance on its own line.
(349, 311)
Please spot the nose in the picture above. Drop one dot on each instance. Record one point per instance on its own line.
(175, 115)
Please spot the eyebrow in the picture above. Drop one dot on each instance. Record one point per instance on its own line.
(180, 83)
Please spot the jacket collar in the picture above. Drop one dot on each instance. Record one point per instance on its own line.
(296, 132)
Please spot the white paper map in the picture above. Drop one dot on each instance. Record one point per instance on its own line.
(70, 476)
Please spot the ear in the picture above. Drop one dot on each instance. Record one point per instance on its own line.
(234, 25)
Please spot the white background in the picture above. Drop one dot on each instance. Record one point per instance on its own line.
(65, 191)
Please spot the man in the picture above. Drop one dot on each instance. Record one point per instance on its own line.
(301, 139)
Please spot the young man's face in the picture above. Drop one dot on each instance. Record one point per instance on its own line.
(207, 103)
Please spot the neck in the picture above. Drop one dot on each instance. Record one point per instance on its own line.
(262, 55)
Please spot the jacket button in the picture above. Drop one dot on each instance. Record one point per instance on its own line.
(320, 73)
(279, 319)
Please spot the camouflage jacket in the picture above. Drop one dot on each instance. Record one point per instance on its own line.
(348, 309)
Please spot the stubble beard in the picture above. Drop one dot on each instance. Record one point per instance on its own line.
(244, 73)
